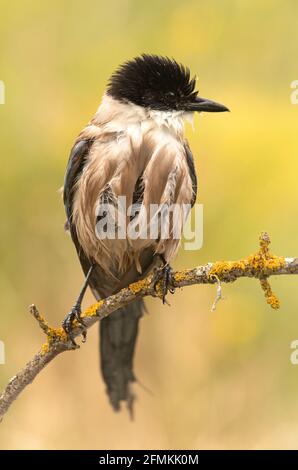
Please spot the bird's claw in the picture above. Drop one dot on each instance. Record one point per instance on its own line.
(74, 314)
(165, 276)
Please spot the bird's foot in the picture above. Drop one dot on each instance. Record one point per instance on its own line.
(67, 324)
(164, 275)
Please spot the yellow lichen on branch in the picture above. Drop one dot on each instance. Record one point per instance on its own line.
(261, 265)
(263, 261)
(180, 276)
(53, 334)
(92, 310)
(139, 286)
(271, 298)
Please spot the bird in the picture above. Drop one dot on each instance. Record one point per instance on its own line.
(134, 147)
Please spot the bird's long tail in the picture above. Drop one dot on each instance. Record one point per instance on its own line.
(118, 334)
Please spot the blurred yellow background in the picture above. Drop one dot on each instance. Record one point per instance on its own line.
(217, 380)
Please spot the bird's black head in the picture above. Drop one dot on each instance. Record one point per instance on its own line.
(158, 83)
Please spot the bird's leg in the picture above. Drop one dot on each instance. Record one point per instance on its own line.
(75, 312)
(164, 274)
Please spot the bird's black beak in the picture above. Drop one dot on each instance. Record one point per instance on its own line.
(208, 106)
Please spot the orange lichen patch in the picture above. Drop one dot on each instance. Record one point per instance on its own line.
(261, 265)
(221, 268)
(159, 289)
(91, 311)
(138, 286)
(265, 265)
(55, 334)
(264, 241)
(271, 298)
(180, 276)
(44, 348)
(263, 260)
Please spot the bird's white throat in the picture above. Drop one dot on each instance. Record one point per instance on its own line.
(122, 115)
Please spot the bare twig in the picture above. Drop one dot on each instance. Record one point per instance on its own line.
(261, 265)
(218, 293)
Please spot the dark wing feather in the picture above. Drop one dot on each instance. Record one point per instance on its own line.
(74, 168)
(192, 171)
(76, 162)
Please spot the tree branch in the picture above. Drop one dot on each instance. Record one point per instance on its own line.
(261, 265)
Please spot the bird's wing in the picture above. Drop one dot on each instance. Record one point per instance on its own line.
(99, 283)
(76, 162)
(192, 171)
(74, 168)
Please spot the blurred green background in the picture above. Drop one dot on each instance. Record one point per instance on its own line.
(217, 380)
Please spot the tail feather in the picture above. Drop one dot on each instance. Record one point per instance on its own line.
(118, 334)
